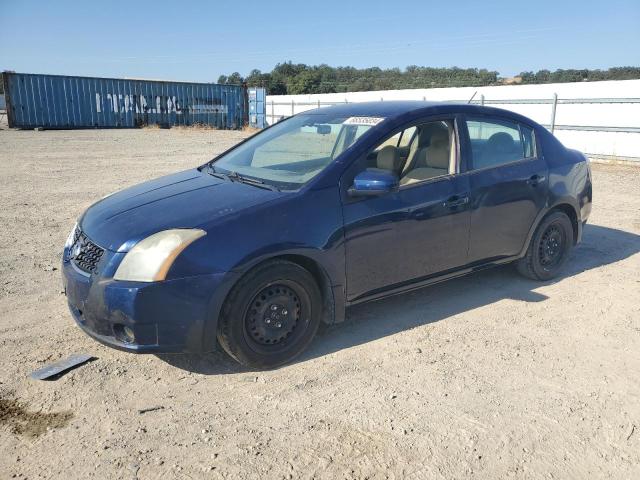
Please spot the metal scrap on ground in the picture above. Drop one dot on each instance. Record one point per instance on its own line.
(150, 409)
(55, 370)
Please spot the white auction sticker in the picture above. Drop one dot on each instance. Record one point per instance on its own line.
(370, 121)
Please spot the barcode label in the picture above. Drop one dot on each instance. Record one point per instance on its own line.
(370, 121)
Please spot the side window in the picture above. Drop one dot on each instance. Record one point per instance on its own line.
(393, 141)
(407, 136)
(418, 153)
(347, 137)
(401, 139)
(496, 142)
(432, 152)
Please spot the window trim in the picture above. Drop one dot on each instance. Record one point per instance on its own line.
(515, 162)
(533, 143)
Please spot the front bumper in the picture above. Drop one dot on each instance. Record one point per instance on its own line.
(165, 317)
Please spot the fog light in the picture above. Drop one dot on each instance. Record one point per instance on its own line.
(124, 334)
(129, 335)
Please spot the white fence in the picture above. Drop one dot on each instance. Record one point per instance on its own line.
(598, 118)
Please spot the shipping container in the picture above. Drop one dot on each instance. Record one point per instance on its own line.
(56, 101)
(257, 107)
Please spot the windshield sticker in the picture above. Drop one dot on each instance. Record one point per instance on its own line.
(369, 121)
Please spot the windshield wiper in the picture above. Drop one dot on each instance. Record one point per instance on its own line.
(236, 177)
(213, 172)
(252, 181)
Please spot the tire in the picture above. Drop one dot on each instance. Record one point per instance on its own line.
(271, 315)
(549, 248)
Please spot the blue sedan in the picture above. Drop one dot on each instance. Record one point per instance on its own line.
(327, 209)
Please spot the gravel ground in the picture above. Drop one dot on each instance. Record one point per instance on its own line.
(490, 376)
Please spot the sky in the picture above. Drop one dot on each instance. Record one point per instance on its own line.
(200, 40)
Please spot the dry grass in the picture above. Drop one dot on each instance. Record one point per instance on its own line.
(193, 127)
(196, 126)
(251, 130)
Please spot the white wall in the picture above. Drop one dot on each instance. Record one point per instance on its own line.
(599, 143)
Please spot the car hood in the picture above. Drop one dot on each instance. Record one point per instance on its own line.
(187, 199)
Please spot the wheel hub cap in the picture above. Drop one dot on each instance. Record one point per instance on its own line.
(551, 246)
(273, 315)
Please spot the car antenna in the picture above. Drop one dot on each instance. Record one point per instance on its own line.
(474, 94)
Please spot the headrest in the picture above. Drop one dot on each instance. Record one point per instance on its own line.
(389, 159)
(437, 154)
(430, 131)
(424, 137)
(440, 139)
(500, 142)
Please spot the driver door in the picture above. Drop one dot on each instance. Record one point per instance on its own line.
(411, 234)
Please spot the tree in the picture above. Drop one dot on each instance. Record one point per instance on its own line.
(580, 75)
(234, 79)
(298, 78)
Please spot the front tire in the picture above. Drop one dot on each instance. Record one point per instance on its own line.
(549, 248)
(271, 315)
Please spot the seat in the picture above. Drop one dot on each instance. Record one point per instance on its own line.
(431, 161)
(421, 141)
(388, 158)
(499, 149)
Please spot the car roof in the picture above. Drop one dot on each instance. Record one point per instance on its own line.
(396, 109)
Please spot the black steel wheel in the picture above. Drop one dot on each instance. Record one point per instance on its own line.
(274, 313)
(271, 315)
(549, 248)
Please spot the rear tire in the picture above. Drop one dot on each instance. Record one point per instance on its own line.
(549, 248)
(271, 315)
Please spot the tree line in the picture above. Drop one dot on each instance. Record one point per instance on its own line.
(583, 75)
(298, 78)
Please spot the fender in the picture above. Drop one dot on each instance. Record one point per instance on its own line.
(332, 286)
(333, 293)
(544, 212)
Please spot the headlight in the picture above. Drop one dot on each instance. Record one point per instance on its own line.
(70, 238)
(150, 259)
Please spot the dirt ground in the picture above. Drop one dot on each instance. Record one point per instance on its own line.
(489, 376)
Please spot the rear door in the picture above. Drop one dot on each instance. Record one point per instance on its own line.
(508, 181)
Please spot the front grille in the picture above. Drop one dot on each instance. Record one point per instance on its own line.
(84, 253)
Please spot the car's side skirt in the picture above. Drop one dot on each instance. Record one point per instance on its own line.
(405, 287)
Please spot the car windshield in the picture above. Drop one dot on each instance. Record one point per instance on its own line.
(292, 152)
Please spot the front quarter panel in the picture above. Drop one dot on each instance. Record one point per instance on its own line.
(307, 223)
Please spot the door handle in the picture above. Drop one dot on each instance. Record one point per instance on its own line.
(535, 180)
(456, 201)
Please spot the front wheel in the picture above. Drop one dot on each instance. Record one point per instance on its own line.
(549, 248)
(271, 315)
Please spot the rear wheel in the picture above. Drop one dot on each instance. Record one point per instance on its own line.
(549, 248)
(271, 315)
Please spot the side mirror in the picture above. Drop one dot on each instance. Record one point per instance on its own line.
(372, 182)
